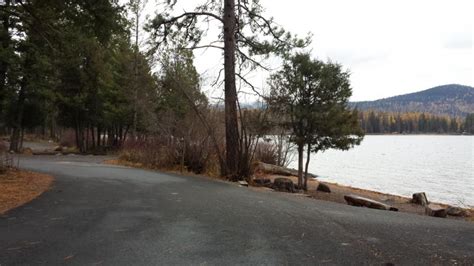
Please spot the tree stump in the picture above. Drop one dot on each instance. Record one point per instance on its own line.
(420, 199)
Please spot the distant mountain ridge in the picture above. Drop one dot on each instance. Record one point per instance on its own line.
(453, 100)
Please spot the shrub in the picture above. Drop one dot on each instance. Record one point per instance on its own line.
(266, 153)
(167, 153)
(151, 152)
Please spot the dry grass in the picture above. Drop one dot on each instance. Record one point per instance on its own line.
(18, 187)
(176, 169)
(124, 163)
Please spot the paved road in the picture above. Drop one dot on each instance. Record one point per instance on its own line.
(105, 215)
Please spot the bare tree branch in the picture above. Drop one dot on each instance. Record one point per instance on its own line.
(254, 89)
(192, 14)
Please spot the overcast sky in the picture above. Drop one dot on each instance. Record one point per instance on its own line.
(390, 47)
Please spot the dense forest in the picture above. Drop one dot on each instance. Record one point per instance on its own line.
(452, 100)
(71, 64)
(374, 122)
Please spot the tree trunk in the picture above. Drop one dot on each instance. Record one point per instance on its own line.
(300, 165)
(98, 136)
(76, 133)
(18, 120)
(87, 146)
(93, 137)
(22, 137)
(230, 92)
(79, 136)
(308, 156)
(135, 67)
(5, 43)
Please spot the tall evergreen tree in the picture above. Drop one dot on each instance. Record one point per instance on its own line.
(313, 97)
(469, 124)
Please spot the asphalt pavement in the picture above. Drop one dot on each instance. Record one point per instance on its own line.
(98, 214)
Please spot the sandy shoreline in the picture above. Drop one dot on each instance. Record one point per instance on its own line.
(338, 192)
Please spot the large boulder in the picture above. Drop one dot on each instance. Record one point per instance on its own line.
(323, 188)
(459, 212)
(436, 211)
(420, 199)
(358, 201)
(243, 183)
(262, 182)
(283, 184)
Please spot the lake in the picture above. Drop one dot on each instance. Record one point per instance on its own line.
(441, 166)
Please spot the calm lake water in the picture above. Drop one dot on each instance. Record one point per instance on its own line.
(441, 166)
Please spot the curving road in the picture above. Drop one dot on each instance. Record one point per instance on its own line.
(108, 215)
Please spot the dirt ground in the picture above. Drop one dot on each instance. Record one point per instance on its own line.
(338, 192)
(18, 187)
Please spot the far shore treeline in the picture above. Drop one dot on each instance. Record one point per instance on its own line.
(376, 122)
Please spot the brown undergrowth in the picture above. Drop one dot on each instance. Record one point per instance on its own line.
(18, 187)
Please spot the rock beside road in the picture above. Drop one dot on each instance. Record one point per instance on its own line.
(458, 212)
(436, 211)
(358, 201)
(262, 182)
(243, 183)
(323, 188)
(283, 184)
(420, 199)
(58, 148)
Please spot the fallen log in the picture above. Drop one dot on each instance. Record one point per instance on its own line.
(45, 153)
(278, 170)
(358, 201)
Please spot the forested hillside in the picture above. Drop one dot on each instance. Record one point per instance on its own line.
(453, 100)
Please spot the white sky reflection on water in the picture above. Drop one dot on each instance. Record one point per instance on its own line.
(441, 166)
